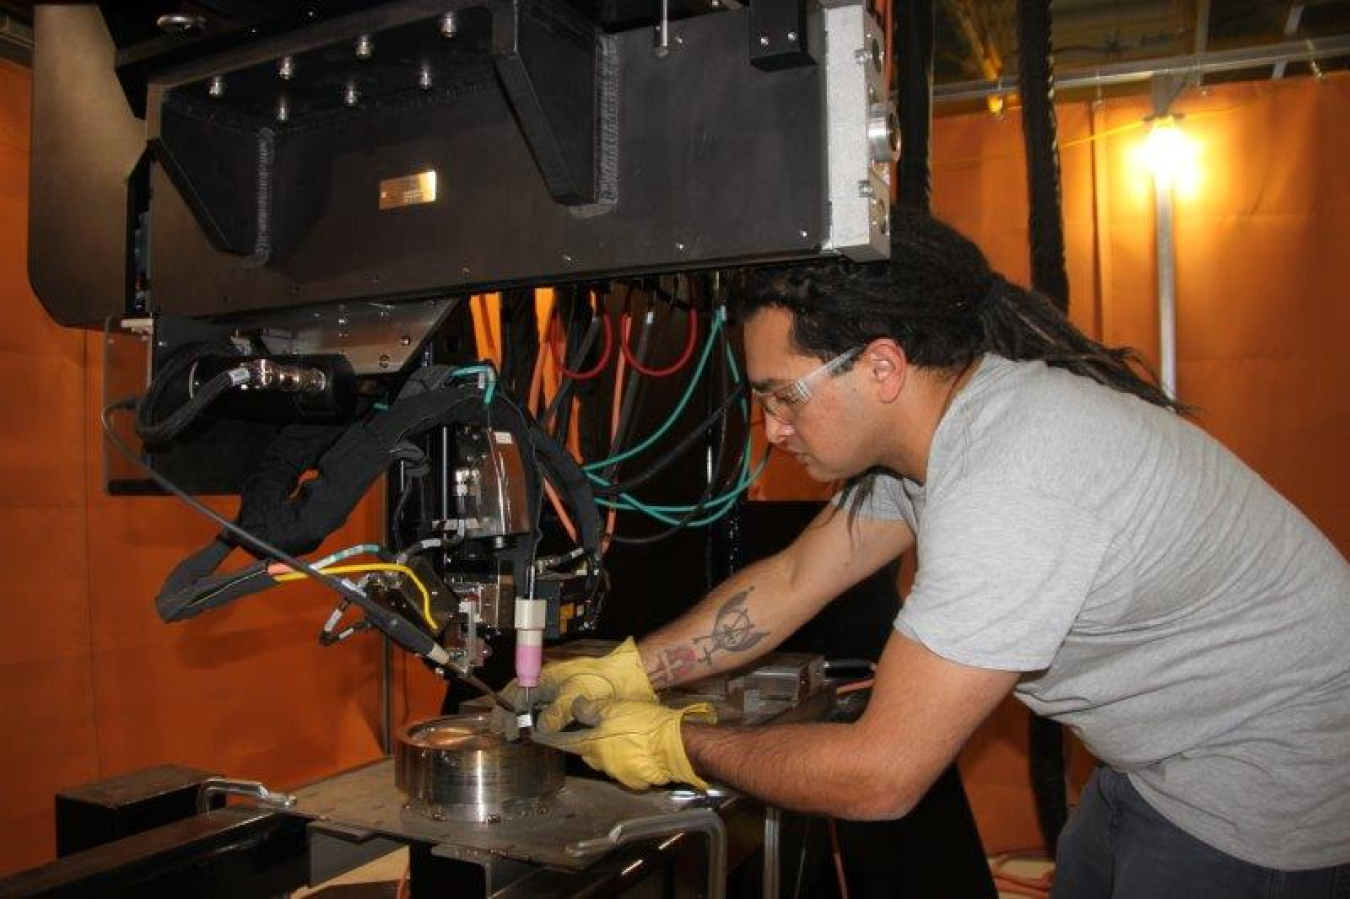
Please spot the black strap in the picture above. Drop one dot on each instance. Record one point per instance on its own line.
(297, 517)
(192, 587)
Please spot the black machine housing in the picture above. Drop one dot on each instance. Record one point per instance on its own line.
(425, 148)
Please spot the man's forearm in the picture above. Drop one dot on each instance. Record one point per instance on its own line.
(756, 608)
(732, 626)
(827, 769)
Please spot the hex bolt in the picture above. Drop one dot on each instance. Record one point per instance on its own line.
(764, 40)
(792, 36)
(351, 96)
(216, 87)
(405, 340)
(283, 110)
(286, 68)
(449, 25)
(424, 78)
(364, 47)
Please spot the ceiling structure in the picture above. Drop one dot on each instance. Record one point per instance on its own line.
(1115, 46)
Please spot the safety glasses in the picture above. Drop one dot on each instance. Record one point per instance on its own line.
(785, 402)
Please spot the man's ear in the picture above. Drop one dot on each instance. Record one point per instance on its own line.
(884, 365)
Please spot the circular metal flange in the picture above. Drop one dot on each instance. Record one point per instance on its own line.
(883, 132)
(457, 768)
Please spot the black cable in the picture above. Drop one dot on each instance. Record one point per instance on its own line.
(632, 390)
(1036, 87)
(564, 394)
(399, 629)
(913, 42)
(697, 509)
(673, 454)
(162, 432)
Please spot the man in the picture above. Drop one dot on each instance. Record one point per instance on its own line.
(1079, 544)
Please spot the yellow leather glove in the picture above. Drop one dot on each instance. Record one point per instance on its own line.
(636, 743)
(618, 675)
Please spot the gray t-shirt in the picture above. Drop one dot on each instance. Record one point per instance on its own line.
(1181, 617)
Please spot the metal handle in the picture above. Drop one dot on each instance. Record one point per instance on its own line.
(706, 821)
(221, 786)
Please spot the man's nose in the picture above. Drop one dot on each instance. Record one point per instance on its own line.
(775, 429)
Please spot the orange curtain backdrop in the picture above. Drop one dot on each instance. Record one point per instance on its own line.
(92, 684)
(1263, 296)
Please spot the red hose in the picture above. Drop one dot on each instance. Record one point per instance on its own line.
(554, 330)
(679, 363)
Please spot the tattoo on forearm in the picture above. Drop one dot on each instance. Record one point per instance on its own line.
(672, 665)
(733, 631)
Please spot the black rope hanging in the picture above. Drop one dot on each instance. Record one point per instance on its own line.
(913, 43)
(1049, 275)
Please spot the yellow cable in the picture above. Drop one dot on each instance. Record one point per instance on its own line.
(380, 566)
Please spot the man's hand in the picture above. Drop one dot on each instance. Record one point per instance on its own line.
(618, 675)
(636, 743)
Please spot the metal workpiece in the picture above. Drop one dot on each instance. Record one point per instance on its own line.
(861, 133)
(457, 768)
(366, 800)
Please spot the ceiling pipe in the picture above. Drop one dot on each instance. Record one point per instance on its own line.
(1145, 70)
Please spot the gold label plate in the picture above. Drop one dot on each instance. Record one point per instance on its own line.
(410, 190)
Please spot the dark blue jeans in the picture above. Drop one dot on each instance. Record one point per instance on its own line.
(1117, 847)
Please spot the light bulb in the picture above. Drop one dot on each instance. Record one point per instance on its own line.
(1171, 156)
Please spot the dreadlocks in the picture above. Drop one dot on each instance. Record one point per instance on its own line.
(938, 298)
